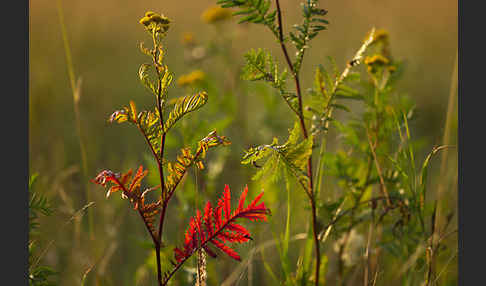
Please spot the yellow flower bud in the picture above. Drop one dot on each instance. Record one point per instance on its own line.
(215, 14)
(376, 59)
(191, 79)
(155, 22)
(188, 39)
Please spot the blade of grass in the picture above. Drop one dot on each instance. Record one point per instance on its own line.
(410, 148)
(79, 214)
(445, 267)
(424, 171)
(450, 110)
(85, 275)
(76, 90)
(447, 134)
(259, 248)
(285, 241)
(444, 158)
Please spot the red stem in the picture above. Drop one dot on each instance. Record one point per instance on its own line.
(139, 211)
(164, 200)
(162, 217)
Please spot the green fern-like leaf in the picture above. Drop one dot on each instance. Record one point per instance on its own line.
(296, 152)
(145, 79)
(253, 11)
(310, 27)
(260, 65)
(178, 168)
(149, 124)
(38, 205)
(183, 106)
(164, 85)
(290, 157)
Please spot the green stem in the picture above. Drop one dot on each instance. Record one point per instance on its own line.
(304, 132)
(445, 140)
(76, 91)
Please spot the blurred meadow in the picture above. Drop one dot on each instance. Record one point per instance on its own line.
(104, 243)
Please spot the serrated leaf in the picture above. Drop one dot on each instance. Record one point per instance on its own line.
(164, 85)
(144, 78)
(217, 226)
(244, 12)
(320, 20)
(340, 106)
(293, 156)
(183, 106)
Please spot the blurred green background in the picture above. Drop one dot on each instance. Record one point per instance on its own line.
(104, 38)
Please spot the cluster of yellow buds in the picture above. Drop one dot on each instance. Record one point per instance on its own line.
(380, 35)
(215, 14)
(191, 79)
(378, 62)
(188, 39)
(155, 23)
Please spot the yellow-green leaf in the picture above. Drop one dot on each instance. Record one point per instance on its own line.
(184, 106)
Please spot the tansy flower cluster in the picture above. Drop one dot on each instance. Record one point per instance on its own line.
(380, 35)
(191, 79)
(154, 22)
(215, 14)
(376, 62)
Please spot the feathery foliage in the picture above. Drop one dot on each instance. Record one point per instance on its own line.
(376, 209)
(154, 127)
(39, 275)
(253, 11)
(312, 24)
(218, 226)
(260, 66)
(370, 160)
(183, 106)
(130, 189)
(38, 205)
(187, 158)
(291, 157)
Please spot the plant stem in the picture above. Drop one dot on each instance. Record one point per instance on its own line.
(161, 225)
(292, 70)
(159, 266)
(447, 134)
(154, 239)
(367, 262)
(164, 198)
(304, 132)
(378, 168)
(443, 165)
(76, 90)
(158, 240)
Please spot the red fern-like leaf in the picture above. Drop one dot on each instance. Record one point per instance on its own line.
(218, 226)
(120, 182)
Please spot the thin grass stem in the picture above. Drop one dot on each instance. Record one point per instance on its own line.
(76, 91)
